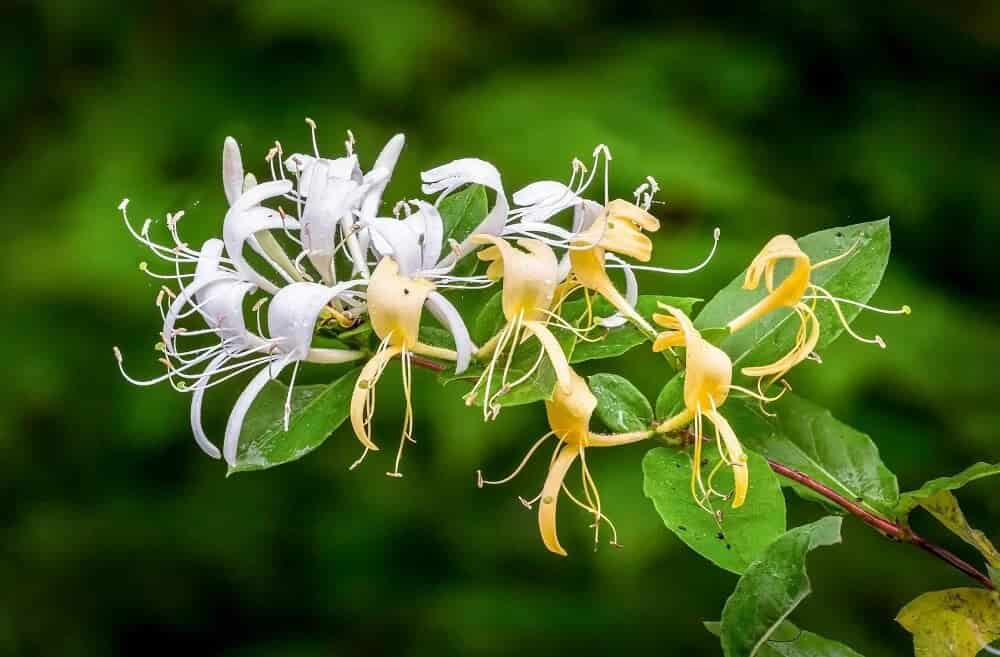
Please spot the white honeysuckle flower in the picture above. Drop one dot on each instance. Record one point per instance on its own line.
(334, 191)
(235, 183)
(468, 171)
(291, 321)
(216, 293)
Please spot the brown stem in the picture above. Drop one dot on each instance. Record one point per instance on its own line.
(882, 525)
(427, 363)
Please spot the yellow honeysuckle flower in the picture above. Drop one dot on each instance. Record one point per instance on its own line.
(798, 292)
(707, 384)
(529, 276)
(569, 413)
(618, 229)
(395, 304)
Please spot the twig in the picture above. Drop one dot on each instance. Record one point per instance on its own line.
(882, 525)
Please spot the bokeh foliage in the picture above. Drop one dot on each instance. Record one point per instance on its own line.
(119, 535)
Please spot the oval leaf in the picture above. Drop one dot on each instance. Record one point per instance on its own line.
(316, 412)
(952, 623)
(620, 405)
(772, 588)
(670, 401)
(745, 532)
(790, 641)
(805, 436)
(855, 277)
(462, 211)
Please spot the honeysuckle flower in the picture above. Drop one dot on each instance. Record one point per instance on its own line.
(447, 178)
(600, 232)
(569, 413)
(235, 182)
(529, 282)
(336, 190)
(332, 194)
(415, 245)
(291, 321)
(395, 304)
(707, 384)
(797, 292)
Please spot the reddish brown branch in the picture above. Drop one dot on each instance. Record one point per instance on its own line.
(427, 363)
(882, 525)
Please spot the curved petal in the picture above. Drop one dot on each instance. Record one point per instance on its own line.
(240, 225)
(403, 243)
(564, 374)
(448, 315)
(448, 177)
(631, 293)
(736, 456)
(292, 314)
(550, 498)
(385, 163)
(364, 387)
(235, 423)
(232, 171)
(433, 233)
(197, 397)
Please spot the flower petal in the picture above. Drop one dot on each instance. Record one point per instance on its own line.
(449, 177)
(362, 388)
(564, 374)
(292, 314)
(448, 315)
(550, 498)
(384, 165)
(403, 243)
(232, 170)
(197, 397)
(235, 423)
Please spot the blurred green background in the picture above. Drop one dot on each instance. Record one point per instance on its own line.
(118, 537)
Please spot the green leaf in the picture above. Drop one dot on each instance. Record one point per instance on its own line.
(620, 405)
(621, 339)
(994, 573)
(790, 641)
(744, 532)
(854, 277)
(805, 436)
(910, 500)
(952, 623)
(670, 401)
(943, 506)
(462, 211)
(316, 412)
(436, 336)
(490, 319)
(772, 587)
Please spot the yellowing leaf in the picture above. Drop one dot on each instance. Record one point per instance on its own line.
(952, 623)
(944, 507)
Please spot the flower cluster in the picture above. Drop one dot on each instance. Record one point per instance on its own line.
(314, 246)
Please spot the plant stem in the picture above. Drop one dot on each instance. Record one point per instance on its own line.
(882, 525)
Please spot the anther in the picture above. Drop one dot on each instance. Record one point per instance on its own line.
(118, 354)
(123, 205)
